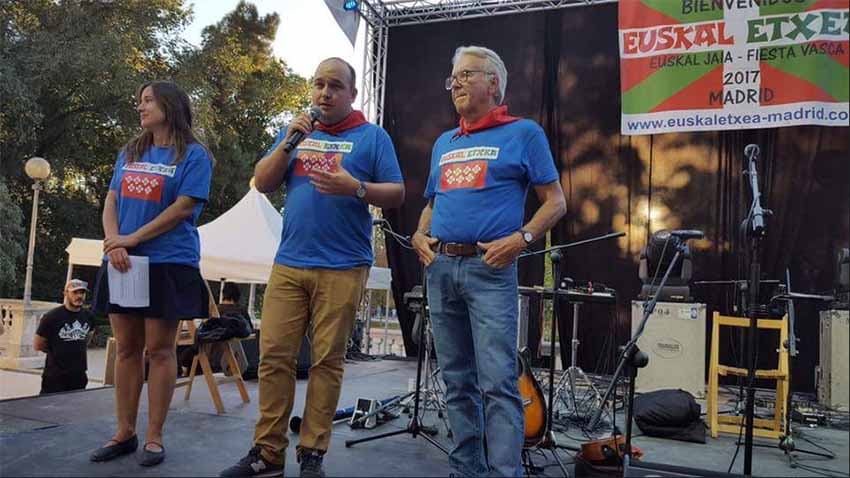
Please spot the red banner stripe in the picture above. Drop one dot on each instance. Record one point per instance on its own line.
(833, 4)
(788, 88)
(695, 96)
(634, 70)
(634, 14)
(844, 58)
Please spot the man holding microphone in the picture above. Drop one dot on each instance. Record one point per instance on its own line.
(333, 165)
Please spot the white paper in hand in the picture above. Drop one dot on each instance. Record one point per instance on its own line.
(131, 288)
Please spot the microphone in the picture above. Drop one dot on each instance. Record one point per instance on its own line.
(686, 234)
(757, 220)
(752, 151)
(297, 136)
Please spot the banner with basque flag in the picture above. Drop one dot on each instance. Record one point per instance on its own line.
(703, 65)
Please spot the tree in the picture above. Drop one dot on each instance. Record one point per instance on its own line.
(70, 70)
(243, 91)
(11, 240)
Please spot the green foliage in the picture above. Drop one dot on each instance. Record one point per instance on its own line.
(70, 70)
(242, 89)
(12, 238)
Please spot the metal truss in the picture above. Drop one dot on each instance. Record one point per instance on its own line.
(408, 12)
(374, 60)
(381, 15)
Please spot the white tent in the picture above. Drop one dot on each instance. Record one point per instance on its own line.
(238, 246)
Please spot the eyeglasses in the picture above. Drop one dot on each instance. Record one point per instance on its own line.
(463, 77)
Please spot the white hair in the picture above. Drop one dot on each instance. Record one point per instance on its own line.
(496, 64)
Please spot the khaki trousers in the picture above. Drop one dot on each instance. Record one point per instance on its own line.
(322, 302)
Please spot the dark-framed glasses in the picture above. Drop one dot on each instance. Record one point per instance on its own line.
(462, 77)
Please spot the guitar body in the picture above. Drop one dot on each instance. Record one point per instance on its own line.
(533, 402)
(607, 451)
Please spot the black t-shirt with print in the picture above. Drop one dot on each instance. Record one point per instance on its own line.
(232, 310)
(67, 335)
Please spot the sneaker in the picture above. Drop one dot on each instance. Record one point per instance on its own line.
(311, 463)
(253, 464)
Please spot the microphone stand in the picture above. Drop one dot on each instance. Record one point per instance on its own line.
(633, 358)
(555, 257)
(574, 244)
(786, 440)
(630, 352)
(415, 426)
(756, 232)
(549, 442)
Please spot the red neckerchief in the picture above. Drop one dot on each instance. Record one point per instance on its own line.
(354, 119)
(495, 117)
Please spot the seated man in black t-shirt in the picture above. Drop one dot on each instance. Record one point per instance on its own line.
(63, 335)
(229, 307)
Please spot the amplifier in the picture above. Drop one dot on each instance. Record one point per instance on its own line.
(674, 339)
(832, 371)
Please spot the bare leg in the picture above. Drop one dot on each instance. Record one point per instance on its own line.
(159, 340)
(129, 333)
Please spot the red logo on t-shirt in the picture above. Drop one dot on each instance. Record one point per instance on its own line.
(309, 161)
(147, 187)
(463, 175)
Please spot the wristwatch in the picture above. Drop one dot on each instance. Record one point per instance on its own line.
(527, 236)
(361, 190)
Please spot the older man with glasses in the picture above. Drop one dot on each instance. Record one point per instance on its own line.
(469, 236)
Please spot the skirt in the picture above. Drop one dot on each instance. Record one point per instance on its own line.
(177, 292)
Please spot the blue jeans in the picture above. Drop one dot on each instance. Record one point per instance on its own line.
(474, 316)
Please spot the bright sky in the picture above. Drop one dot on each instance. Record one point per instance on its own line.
(307, 33)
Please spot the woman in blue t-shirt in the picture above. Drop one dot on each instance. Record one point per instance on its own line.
(160, 184)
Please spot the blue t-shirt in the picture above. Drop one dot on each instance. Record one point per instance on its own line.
(151, 184)
(479, 182)
(329, 231)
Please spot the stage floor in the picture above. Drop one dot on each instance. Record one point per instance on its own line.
(53, 436)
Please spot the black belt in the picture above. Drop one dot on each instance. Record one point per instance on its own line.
(457, 249)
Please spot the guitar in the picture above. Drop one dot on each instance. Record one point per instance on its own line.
(607, 451)
(533, 403)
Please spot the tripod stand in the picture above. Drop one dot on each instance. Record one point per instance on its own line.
(431, 391)
(414, 426)
(566, 388)
(786, 441)
(549, 442)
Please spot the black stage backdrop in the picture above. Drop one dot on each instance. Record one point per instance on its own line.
(563, 71)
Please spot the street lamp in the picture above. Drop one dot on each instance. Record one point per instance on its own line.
(38, 169)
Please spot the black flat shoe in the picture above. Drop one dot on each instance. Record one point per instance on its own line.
(151, 458)
(120, 448)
